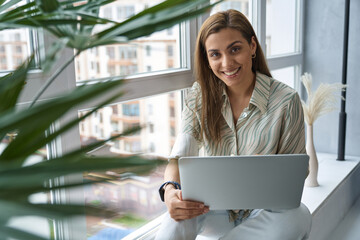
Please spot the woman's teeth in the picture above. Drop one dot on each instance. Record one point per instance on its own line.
(231, 73)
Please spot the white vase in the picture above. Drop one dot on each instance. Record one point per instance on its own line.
(311, 180)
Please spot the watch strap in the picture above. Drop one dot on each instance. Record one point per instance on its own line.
(162, 188)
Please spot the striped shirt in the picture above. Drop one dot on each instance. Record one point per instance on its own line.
(273, 123)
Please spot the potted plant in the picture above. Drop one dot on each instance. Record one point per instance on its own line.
(25, 131)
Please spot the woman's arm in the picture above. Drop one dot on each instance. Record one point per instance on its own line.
(179, 209)
(292, 139)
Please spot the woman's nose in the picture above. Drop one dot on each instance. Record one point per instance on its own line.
(227, 61)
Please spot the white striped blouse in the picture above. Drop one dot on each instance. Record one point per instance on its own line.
(273, 123)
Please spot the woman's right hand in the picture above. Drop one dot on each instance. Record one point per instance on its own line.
(179, 209)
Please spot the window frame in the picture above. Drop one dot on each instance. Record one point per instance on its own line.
(295, 59)
(137, 86)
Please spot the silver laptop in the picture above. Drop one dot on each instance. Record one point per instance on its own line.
(244, 182)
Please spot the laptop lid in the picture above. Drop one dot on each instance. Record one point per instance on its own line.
(244, 182)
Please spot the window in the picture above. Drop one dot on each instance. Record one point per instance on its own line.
(107, 12)
(240, 5)
(172, 111)
(131, 109)
(281, 29)
(110, 52)
(170, 50)
(129, 58)
(124, 12)
(284, 20)
(18, 49)
(157, 67)
(15, 47)
(286, 75)
(151, 128)
(148, 50)
(134, 196)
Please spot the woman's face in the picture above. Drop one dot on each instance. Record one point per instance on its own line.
(230, 56)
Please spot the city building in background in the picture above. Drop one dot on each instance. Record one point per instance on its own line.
(14, 48)
(160, 51)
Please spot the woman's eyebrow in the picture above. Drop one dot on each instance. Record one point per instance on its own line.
(233, 43)
(229, 46)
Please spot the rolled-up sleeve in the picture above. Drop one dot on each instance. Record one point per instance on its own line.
(292, 139)
(188, 140)
(185, 145)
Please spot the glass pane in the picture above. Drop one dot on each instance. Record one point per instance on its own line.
(285, 75)
(240, 5)
(281, 27)
(135, 199)
(14, 48)
(159, 51)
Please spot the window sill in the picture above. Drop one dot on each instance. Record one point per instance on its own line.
(338, 190)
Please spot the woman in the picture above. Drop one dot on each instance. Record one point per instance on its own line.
(234, 108)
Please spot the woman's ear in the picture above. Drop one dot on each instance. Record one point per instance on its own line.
(253, 45)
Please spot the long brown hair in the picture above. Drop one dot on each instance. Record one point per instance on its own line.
(211, 86)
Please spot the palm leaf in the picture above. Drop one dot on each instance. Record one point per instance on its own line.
(13, 233)
(48, 6)
(12, 84)
(37, 174)
(30, 138)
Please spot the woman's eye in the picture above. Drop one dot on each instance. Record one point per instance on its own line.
(235, 49)
(214, 54)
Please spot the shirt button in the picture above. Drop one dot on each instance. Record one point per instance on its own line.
(244, 114)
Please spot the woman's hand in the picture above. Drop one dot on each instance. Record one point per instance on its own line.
(179, 209)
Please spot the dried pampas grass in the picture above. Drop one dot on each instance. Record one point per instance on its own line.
(322, 100)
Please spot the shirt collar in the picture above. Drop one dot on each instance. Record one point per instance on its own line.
(260, 95)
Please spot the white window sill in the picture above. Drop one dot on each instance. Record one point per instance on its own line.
(338, 190)
(331, 174)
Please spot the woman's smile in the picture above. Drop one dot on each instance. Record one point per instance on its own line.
(232, 73)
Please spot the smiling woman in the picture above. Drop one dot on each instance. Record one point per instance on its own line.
(216, 36)
(235, 108)
(230, 58)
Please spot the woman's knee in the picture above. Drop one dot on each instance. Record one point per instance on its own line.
(297, 221)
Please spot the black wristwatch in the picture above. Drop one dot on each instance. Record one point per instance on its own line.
(162, 188)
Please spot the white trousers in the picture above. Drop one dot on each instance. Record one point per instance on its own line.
(294, 224)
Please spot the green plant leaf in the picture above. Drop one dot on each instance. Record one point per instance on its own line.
(12, 84)
(53, 53)
(97, 144)
(13, 233)
(35, 175)
(48, 5)
(27, 134)
(5, 5)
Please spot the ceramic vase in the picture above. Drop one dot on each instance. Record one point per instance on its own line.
(311, 180)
